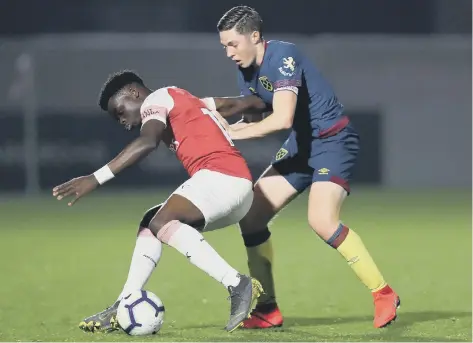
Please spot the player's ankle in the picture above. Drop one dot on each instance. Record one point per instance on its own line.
(383, 290)
(266, 307)
(231, 278)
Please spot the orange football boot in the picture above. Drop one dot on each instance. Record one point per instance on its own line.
(264, 316)
(386, 303)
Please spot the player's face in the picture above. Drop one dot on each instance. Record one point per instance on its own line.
(126, 110)
(240, 48)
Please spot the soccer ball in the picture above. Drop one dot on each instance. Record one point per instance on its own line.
(140, 313)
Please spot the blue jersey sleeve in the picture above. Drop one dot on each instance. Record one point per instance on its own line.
(241, 85)
(286, 69)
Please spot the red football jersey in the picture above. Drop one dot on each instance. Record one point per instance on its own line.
(194, 133)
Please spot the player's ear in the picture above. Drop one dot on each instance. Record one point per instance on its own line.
(255, 37)
(134, 92)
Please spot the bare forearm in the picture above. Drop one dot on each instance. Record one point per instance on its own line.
(240, 125)
(268, 125)
(282, 118)
(132, 153)
(230, 106)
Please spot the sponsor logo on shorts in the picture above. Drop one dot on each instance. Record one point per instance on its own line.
(323, 171)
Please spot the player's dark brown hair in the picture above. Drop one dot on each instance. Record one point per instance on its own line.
(115, 83)
(243, 18)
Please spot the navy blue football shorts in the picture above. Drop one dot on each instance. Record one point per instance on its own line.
(330, 158)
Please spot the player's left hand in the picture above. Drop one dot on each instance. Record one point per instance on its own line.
(78, 187)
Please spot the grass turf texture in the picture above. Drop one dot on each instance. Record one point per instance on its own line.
(61, 264)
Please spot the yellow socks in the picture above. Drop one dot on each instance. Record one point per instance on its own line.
(351, 247)
(260, 263)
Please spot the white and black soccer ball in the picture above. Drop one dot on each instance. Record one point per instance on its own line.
(140, 313)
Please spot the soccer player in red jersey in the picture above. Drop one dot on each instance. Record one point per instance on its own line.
(218, 193)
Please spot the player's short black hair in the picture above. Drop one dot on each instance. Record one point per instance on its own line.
(243, 18)
(115, 83)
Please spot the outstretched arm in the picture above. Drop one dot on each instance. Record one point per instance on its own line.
(151, 133)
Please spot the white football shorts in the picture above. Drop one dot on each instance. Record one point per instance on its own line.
(223, 199)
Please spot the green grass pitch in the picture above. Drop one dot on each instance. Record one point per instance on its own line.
(60, 264)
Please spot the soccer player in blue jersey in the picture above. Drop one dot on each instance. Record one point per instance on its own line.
(319, 154)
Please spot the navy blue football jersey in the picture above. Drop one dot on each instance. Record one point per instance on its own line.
(285, 67)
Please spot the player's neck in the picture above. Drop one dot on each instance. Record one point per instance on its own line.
(145, 92)
(260, 49)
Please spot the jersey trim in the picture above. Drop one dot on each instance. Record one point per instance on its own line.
(288, 88)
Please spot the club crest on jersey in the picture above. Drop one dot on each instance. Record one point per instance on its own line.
(289, 66)
(266, 83)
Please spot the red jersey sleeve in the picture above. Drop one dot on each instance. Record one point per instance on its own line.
(157, 106)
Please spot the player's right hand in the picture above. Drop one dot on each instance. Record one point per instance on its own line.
(77, 187)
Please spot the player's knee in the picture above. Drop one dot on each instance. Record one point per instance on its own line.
(164, 231)
(164, 217)
(257, 237)
(252, 223)
(325, 201)
(160, 220)
(324, 224)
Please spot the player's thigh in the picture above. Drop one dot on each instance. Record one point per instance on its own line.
(276, 188)
(228, 218)
(333, 164)
(325, 202)
(222, 199)
(231, 207)
(334, 158)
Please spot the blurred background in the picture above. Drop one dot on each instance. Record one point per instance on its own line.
(401, 68)
(403, 72)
